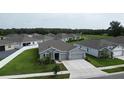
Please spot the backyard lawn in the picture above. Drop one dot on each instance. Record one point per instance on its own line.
(101, 62)
(90, 37)
(118, 69)
(27, 62)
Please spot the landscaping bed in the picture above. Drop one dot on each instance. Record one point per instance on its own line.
(63, 76)
(26, 63)
(102, 62)
(113, 70)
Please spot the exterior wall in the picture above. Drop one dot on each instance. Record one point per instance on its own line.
(72, 54)
(91, 51)
(118, 51)
(51, 52)
(9, 47)
(76, 53)
(65, 39)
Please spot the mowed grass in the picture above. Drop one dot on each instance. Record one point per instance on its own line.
(113, 70)
(102, 62)
(27, 62)
(64, 76)
(90, 37)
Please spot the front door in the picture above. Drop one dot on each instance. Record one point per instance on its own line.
(2, 48)
(56, 56)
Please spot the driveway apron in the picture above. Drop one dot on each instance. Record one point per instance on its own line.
(82, 69)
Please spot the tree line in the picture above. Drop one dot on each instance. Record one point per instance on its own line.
(115, 29)
(49, 30)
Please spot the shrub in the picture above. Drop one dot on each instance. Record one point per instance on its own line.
(56, 69)
(46, 60)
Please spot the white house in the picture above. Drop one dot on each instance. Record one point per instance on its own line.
(94, 47)
(13, 41)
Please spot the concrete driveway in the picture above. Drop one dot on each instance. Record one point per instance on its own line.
(82, 69)
(5, 54)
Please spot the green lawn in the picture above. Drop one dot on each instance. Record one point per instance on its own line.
(64, 76)
(101, 62)
(90, 37)
(118, 69)
(27, 62)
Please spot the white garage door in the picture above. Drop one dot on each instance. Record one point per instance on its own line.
(76, 56)
(117, 53)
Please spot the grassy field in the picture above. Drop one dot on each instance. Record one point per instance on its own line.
(101, 62)
(64, 76)
(90, 37)
(118, 69)
(27, 62)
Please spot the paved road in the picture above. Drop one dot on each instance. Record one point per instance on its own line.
(82, 69)
(5, 54)
(116, 76)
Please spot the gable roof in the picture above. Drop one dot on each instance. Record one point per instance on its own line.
(16, 38)
(58, 44)
(61, 36)
(50, 35)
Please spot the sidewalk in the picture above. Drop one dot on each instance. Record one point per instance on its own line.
(110, 67)
(32, 75)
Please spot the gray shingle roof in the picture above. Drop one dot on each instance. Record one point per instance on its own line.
(97, 44)
(58, 44)
(61, 36)
(16, 38)
(5, 41)
(117, 40)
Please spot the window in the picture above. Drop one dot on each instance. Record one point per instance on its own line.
(44, 55)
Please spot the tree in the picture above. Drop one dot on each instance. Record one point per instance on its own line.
(115, 28)
(56, 69)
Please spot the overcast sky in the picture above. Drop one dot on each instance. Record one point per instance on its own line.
(60, 20)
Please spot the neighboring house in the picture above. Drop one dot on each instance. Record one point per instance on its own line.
(2, 37)
(6, 45)
(13, 41)
(23, 40)
(60, 50)
(114, 46)
(62, 36)
(74, 36)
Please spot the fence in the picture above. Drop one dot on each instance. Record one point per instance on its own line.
(15, 54)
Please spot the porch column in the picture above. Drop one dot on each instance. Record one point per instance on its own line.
(59, 56)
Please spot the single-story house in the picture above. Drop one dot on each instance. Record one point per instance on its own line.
(6, 45)
(59, 50)
(62, 36)
(74, 36)
(13, 41)
(114, 46)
